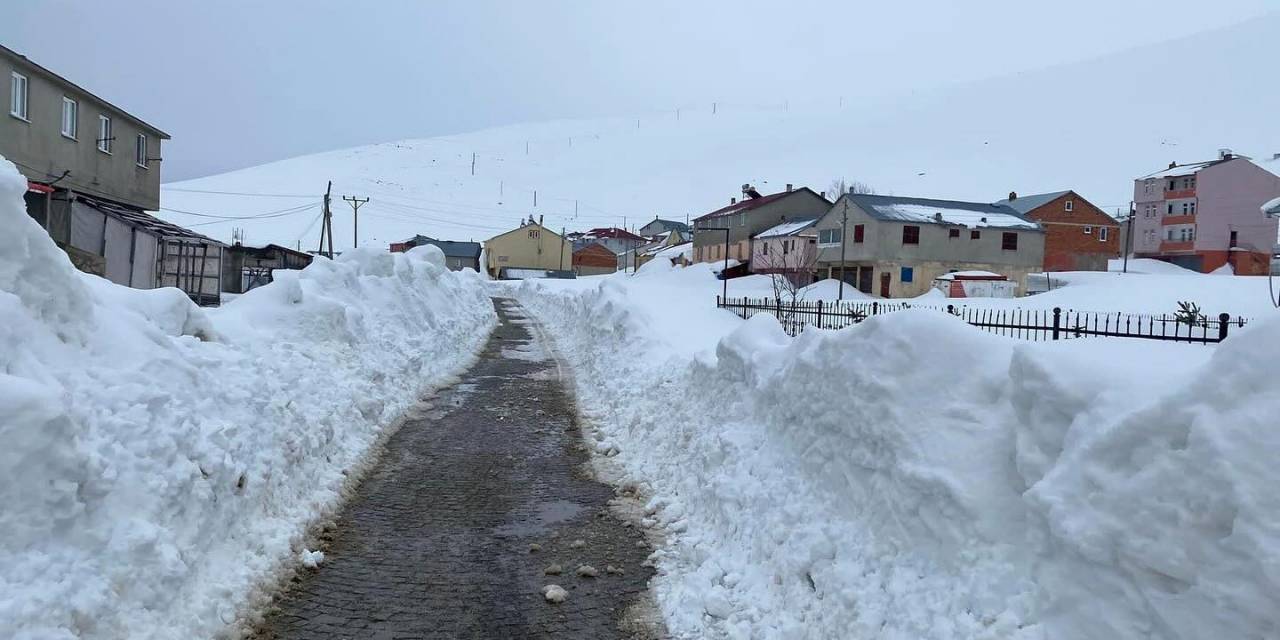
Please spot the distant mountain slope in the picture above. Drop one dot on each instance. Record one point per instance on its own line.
(1090, 126)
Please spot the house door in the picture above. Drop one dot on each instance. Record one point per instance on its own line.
(884, 284)
(864, 280)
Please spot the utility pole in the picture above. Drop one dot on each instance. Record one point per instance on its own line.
(713, 108)
(844, 227)
(326, 224)
(535, 198)
(473, 163)
(562, 248)
(1128, 238)
(526, 147)
(355, 214)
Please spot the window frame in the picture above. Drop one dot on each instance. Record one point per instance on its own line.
(975, 234)
(859, 233)
(140, 151)
(1070, 206)
(906, 274)
(75, 118)
(15, 79)
(1088, 230)
(105, 132)
(953, 233)
(910, 234)
(1005, 244)
(1103, 233)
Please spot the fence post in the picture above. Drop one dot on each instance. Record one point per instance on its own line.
(1224, 321)
(951, 309)
(875, 307)
(1057, 321)
(819, 314)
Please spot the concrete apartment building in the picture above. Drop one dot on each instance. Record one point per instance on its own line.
(1078, 235)
(895, 247)
(528, 248)
(93, 171)
(748, 217)
(1204, 215)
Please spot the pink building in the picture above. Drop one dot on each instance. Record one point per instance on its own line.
(1206, 214)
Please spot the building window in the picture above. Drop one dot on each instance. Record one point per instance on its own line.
(1070, 206)
(785, 247)
(70, 117)
(140, 151)
(1193, 208)
(1009, 241)
(18, 95)
(1170, 209)
(1234, 238)
(1102, 234)
(828, 236)
(742, 219)
(953, 233)
(764, 248)
(975, 234)
(1173, 184)
(907, 274)
(104, 134)
(1088, 230)
(859, 232)
(910, 234)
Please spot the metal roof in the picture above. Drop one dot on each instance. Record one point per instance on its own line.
(1024, 204)
(752, 203)
(945, 212)
(146, 221)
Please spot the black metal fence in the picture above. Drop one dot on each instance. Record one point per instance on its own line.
(1027, 324)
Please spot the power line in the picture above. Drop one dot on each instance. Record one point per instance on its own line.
(240, 193)
(269, 214)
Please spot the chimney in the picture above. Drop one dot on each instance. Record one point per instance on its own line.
(733, 201)
(1013, 195)
(937, 217)
(1173, 165)
(749, 191)
(788, 187)
(1225, 154)
(1275, 156)
(539, 220)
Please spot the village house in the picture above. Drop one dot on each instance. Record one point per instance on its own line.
(457, 255)
(748, 217)
(658, 244)
(245, 267)
(1204, 215)
(1078, 236)
(788, 249)
(621, 242)
(93, 172)
(896, 247)
(659, 226)
(594, 260)
(528, 251)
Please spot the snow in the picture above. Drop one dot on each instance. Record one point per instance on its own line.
(1149, 265)
(914, 477)
(966, 217)
(161, 462)
(1271, 207)
(829, 289)
(787, 228)
(968, 274)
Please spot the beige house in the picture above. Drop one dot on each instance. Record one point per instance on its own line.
(529, 248)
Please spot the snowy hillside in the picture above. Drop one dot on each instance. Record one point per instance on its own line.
(1090, 126)
(914, 477)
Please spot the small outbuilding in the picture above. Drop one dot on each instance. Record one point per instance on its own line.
(975, 284)
(594, 259)
(245, 267)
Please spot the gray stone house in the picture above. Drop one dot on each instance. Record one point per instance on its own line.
(93, 172)
(748, 217)
(659, 226)
(457, 255)
(894, 247)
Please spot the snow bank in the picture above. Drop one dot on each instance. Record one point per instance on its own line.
(913, 477)
(161, 460)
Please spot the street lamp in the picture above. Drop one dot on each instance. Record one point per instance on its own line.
(724, 274)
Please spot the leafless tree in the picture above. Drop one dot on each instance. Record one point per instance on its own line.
(840, 186)
(789, 262)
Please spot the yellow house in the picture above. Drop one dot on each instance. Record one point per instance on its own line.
(530, 246)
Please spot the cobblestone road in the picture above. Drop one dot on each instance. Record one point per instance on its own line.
(436, 541)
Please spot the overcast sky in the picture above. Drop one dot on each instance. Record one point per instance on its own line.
(240, 83)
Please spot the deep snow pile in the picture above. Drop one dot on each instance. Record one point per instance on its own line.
(160, 461)
(913, 477)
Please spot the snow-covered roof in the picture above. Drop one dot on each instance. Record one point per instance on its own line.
(676, 251)
(1180, 170)
(1024, 204)
(1272, 207)
(949, 212)
(971, 275)
(788, 228)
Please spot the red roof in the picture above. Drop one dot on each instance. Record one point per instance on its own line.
(612, 232)
(751, 203)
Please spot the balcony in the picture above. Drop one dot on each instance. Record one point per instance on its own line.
(1186, 219)
(1175, 194)
(1174, 246)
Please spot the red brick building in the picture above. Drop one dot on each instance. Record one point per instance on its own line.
(594, 259)
(1078, 235)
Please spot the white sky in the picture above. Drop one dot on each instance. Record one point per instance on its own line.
(239, 83)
